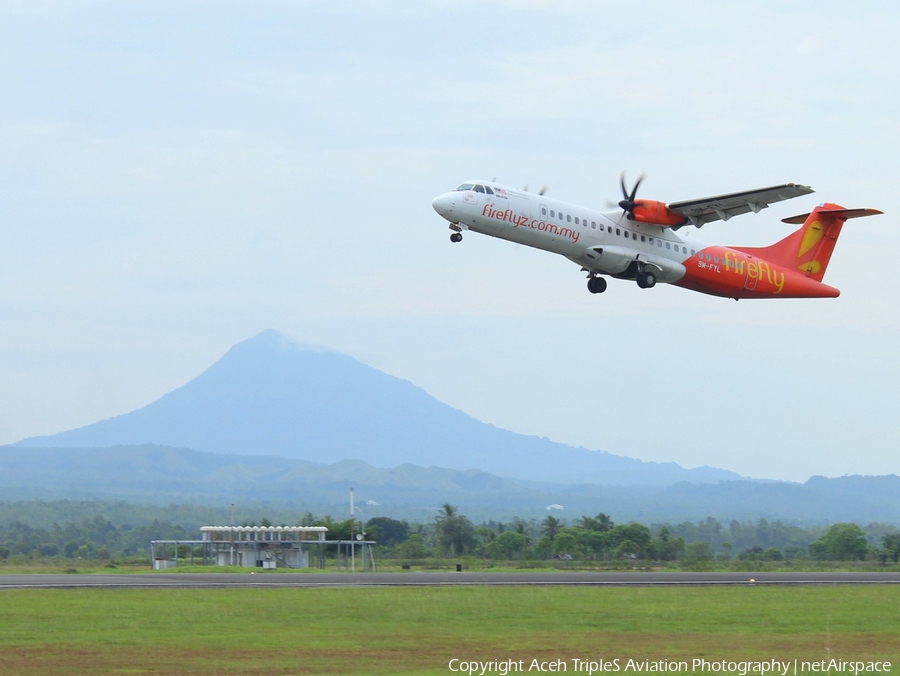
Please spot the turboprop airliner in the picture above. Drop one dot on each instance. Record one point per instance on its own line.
(645, 241)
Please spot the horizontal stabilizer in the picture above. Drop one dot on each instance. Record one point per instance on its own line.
(838, 213)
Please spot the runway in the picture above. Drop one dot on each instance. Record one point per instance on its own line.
(435, 579)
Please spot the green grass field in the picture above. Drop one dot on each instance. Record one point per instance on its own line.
(419, 630)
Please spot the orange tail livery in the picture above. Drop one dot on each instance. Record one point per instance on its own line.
(809, 249)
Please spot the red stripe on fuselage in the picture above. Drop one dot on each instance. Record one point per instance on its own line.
(721, 271)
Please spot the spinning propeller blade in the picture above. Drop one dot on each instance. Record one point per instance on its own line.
(627, 205)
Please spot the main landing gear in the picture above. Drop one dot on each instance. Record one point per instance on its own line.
(646, 279)
(596, 284)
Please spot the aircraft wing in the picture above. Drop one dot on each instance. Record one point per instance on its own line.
(723, 207)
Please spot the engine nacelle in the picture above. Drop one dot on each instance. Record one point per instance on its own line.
(657, 213)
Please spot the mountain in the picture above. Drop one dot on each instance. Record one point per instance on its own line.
(270, 396)
(168, 476)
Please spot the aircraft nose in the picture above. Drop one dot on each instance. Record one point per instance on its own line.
(443, 204)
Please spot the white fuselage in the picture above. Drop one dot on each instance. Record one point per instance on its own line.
(606, 243)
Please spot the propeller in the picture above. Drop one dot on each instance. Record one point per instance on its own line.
(628, 204)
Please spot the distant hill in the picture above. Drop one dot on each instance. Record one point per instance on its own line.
(269, 396)
(164, 476)
(160, 474)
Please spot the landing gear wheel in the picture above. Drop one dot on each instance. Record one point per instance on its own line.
(456, 237)
(646, 280)
(596, 285)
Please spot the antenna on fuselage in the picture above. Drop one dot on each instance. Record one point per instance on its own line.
(542, 190)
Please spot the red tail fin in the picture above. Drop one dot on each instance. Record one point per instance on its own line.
(809, 248)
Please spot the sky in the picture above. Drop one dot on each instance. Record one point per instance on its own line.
(178, 176)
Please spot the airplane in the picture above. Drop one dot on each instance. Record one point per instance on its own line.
(645, 241)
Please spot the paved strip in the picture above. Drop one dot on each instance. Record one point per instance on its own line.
(435, 579)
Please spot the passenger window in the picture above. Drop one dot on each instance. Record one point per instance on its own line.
(685, 250)
(569, 218)
(478, 188)
(692, 252)
(553, 213)
(576, 220)
(668, 246)
(643, 239)
(618, 232)
(593, 225)
(610, 229)
(634, 236)
(543, 211)
(659, 243)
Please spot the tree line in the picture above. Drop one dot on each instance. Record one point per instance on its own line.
(598, 538)
(96, 538)
(452, 534)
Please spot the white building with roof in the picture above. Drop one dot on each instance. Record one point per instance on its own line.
(247, 546)
(262, 546)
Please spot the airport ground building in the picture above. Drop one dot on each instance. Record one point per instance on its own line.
(264, 547)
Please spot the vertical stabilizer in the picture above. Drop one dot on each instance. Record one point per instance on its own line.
(808, 250)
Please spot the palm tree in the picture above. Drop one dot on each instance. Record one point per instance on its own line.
(454, 532)
(522, 528)
(448, 511)
(550, 527)
(600, 523)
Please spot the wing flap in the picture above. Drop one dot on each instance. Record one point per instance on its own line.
(723, 207)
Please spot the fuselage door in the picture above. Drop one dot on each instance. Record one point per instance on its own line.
(750, 280)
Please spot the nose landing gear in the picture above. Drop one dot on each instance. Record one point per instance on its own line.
(458, 230)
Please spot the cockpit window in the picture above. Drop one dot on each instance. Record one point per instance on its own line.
(488, 190)
(479, 188)
(466, 186)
